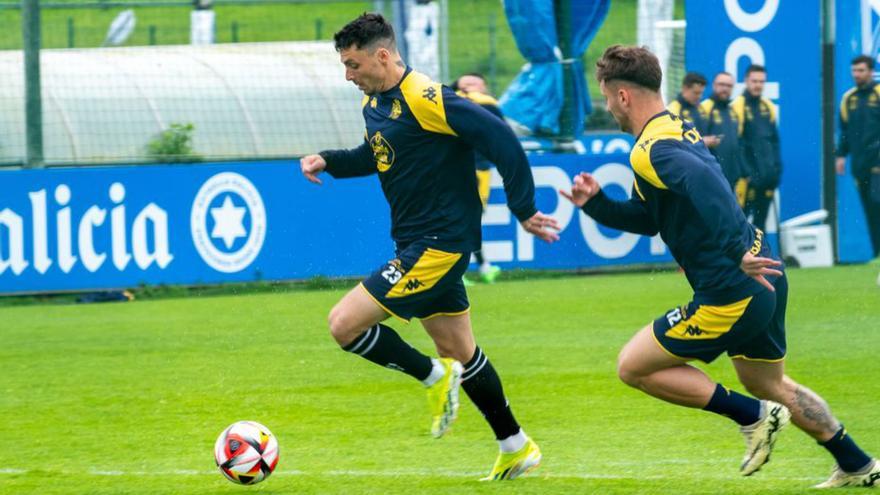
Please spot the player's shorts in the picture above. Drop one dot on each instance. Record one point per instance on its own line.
(484, 178)
(752, 328)
(422, 282)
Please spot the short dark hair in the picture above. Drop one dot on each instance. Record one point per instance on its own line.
(863, 59)
(454, 84)
(721, 73)
(365, 32)
(692, 78)
(755, 68)
(633, 64)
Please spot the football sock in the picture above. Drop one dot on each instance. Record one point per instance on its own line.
(740, 408)
(482, 385)
(513, 443)
(848, 455)
(381, 345)
(437, 372)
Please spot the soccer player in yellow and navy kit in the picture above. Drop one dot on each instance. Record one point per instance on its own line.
(860, 138)
(759, 136)
(740, 291)
(420, 140)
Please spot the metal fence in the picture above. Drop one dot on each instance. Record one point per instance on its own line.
(138, 102)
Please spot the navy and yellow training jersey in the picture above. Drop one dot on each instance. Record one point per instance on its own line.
(860, 128)
(681, 193)
(490, 104)
(420, 138)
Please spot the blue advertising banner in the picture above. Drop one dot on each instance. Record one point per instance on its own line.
(729, 35)
(85, 228)
(113, 227)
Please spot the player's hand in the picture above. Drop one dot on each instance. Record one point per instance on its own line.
(712, 141)
(584, 188)
(840, 165)
(756, 267)
(538, 226)
(311, 166)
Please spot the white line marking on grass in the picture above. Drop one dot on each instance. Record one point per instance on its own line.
(401, 473)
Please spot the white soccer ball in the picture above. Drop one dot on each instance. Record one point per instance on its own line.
(246, 452)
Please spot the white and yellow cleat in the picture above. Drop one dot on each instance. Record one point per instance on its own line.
(761, 436)
(866, 478)
(443, 397)
(510, 465)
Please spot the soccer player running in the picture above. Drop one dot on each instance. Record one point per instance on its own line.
(740, 291)
(420, 139)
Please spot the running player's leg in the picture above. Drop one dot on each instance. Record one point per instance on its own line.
(645, 365)
(811, 414)
(355, 324)
(759, 363)
(453, 336)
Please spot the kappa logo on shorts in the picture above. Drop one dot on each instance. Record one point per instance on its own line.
(694, 331)
(413, 284)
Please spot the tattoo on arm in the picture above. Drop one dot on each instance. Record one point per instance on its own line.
(815, 409)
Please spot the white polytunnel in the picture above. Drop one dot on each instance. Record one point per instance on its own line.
(244, 101)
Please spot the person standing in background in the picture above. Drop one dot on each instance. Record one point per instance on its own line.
(722, 134)
(860, 138)
(686, 104)
(760, 142)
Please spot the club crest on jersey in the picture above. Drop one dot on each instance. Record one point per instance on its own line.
(395, 109)
(382, 152)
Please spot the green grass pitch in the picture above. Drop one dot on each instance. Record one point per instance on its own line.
(129, 398)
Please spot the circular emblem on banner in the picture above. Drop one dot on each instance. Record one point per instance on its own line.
(228, 222)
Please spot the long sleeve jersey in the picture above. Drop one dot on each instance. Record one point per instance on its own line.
(420, 138)
(721, 120)
(490, 104)
(760, 140)
(691, 113)
(860, 128)
(680, 193)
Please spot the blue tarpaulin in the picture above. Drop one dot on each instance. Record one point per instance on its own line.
(535, 97)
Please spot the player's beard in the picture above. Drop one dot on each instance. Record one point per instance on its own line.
(623, 122)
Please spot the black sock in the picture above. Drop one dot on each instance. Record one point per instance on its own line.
(478, 255)
(381, 345)
(744, 410)
(848, 455)
(481, 383)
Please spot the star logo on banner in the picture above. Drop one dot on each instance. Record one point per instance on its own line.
(228, 222)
